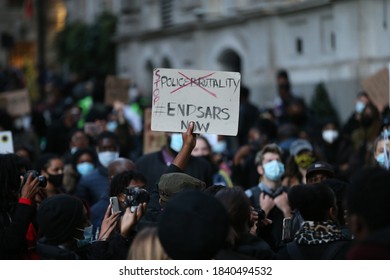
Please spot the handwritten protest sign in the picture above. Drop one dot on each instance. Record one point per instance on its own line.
(153, 140)
(17, 103)
(116, 89)
(377, 87)
(6, 142)
(208, 98)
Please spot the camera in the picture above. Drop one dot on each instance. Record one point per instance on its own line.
(135, 196)
(261, 215)
(35, 174)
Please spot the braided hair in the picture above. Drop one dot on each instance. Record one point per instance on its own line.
(9, 179)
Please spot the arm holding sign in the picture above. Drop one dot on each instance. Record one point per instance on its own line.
(189, 142)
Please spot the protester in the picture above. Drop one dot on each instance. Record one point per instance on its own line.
(193, 226)
(361, 101)
(83, 162)
(368, 214)
(17, 208)
(241, 244)
(318, 172)
(214, 155)
(95, 185)
(301, 156)
(147, 246)
(319, 236)
(155, 164)
(336, 149)
(269, 195)
(52, 167)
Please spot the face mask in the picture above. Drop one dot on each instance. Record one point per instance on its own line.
(56, 180)
(73, 150)
(106, 158)
(219, 147)
(85, 168)
(330, 136)
(380, 159)
(273, 170)
(304, 160)
(359, 107)
(88, 234)
(176, 142)
(112, 125)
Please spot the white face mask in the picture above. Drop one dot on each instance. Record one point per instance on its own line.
(330, 136)
(106, 158)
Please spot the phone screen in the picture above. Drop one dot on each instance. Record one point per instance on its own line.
(114, 204)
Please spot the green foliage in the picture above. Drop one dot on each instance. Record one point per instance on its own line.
(321, 105)
(88, 48)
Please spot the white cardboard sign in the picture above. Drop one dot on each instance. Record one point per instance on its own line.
(208, 98)
(6, 142)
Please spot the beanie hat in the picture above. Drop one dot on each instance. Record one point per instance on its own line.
(172, 183)
(300, 145)
(58, 216)
(193, 226)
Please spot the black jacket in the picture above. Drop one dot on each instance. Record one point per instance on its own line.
(13, 228)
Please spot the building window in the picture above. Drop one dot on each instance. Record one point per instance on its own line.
(333, 41)
(328, 34)
(298, 35)
(299, 46)
(166, 13)
(385, 15)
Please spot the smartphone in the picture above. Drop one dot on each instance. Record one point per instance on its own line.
(114, 204)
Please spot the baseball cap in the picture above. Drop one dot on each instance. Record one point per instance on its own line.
(320, 166)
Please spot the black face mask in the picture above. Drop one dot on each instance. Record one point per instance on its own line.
(206, 158)
(56, 180)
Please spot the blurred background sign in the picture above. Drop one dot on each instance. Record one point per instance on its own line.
(6, 142)
(17, 103)
(377, 87)
(117, 89)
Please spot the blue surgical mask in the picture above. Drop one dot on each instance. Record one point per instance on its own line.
(88, 234)
(359, 107)
(112, 125)
(380, 159)
(219, 147)
(176, 142)
(85, 168)
(273, 170)
(106, 158)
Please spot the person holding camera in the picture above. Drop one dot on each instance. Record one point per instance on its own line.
(127, 205)
(241, 243)
(269, 195)
(17, 206)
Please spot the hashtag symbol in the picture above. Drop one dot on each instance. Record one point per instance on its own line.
(158, 110)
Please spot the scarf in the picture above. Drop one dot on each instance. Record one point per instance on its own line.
(313, 233)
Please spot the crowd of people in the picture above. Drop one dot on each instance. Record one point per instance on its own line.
(289, 186)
